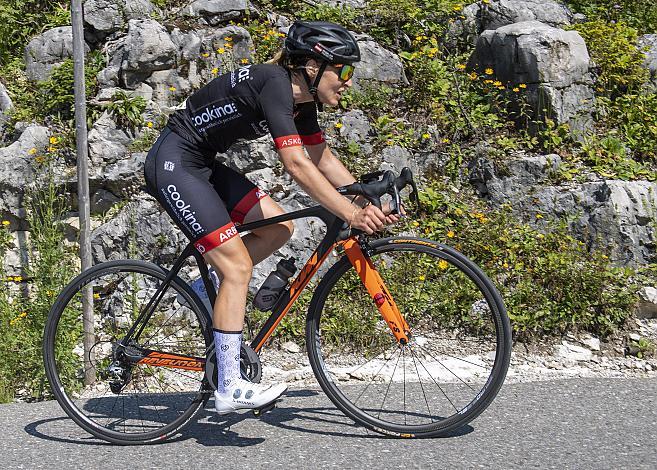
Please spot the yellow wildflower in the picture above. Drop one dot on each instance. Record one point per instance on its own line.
(54, 140)
(149, 124)
(244, 61)
(422, 277)
(32, 151)
(281, 35)
(473, 75)
(539, 216)
(458, 7)
(18, 278)
(426, 135)
(338, 125)
(228, 46)
(445, 141)
(485, 1)
(488, 71)
(228, 38)
(458, 212)
(522, 85)
(5, 222)
(460, 66)
(172, 88)
(416, 223)
(39, 159)
(23, 314)
(497, 83)
(96, 296)
(52, 149)
(540, 236)
(516, 89)
(221, 50)
(488, 81)
(390, 142)
(205, 54)
(442, 264)
(214, 71)
(451, 234)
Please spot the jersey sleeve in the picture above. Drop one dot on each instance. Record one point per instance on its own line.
(278, 108)
(306, 122)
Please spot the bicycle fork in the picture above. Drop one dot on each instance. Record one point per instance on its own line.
(377, 290)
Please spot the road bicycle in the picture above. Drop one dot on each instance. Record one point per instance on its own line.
(406, 336)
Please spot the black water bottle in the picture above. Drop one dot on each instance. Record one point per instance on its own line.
(271, 289)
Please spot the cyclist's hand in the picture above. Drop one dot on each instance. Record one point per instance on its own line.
(369, 219)
(392, 218)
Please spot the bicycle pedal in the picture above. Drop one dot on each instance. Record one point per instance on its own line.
(264, 409)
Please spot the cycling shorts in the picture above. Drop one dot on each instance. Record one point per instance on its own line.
(204, 197)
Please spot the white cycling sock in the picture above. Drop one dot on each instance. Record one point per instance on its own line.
(227, 345)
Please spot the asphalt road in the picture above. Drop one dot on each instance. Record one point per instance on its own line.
(575, 423)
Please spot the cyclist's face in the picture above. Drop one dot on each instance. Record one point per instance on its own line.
(336, 79)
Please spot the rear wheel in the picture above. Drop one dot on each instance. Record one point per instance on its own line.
(454, 363)
(134, 393)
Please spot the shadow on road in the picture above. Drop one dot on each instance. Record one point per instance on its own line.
(211, 429)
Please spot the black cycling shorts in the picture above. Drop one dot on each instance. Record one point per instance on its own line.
(202, 196)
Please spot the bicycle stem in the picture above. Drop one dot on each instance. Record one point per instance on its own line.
(377, 290)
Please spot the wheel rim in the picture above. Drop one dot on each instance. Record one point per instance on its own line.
(130, 401)
(453, 365)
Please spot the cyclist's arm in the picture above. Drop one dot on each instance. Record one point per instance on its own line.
(329, 165)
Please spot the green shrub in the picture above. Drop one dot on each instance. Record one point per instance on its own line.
(639, 14)
(25, 302)
(550, 282)
(127, 110)
(613, 48)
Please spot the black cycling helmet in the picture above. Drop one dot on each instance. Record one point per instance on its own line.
(327, 42)
(322, 40)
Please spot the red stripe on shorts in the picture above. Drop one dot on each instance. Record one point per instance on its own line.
(292, 140)
(246, 204)
(216, 238)
(313, 139)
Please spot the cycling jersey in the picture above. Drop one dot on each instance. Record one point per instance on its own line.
(246, 104)
(204, 197)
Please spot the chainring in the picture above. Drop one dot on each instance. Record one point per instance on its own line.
(249, 365)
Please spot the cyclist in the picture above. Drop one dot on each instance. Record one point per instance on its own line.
(206, 198)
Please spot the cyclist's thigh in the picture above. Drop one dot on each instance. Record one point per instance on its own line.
(244, 200)
(180, 182)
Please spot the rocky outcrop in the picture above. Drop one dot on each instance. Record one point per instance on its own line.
(6, 104)
(17, 171)
(214, 12)
(47, 51)
(553, 63)
(620, 215)
(377, 63)
(648, 43)
(103, 17)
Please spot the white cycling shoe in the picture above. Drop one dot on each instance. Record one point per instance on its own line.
(247, 395)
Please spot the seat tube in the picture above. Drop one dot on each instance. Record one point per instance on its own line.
(377, 290)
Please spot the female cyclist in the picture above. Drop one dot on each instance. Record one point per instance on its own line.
(206, 198)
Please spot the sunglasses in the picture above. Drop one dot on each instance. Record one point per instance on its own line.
(345, 71)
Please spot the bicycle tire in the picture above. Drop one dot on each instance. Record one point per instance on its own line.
(340, 298)
(185, 330)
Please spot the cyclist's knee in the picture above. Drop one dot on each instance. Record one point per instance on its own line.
(231, 261)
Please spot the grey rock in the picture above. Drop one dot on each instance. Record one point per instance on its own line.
(648, 43)
(107, 143)
(168, 88)
(591, 342)
(6, 105)
(108, 16)
(216, 11)
(647, 307)
(147, 48)
(617, 214)
(141, 226)
(355, 127)
(48, 50)
(248, 156)
(395, 158)
(291, 347)
(17, 171)
(572, 352)
(345, 3)
(377, 64)
(552, 62)
(189, 43)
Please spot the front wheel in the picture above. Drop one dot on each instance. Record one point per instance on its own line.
(457, 356)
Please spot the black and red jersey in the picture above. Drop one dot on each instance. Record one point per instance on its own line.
(246, 104)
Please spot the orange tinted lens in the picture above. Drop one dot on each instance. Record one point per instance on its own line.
(346, 72)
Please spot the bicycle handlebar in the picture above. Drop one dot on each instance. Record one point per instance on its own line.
(372, 188)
